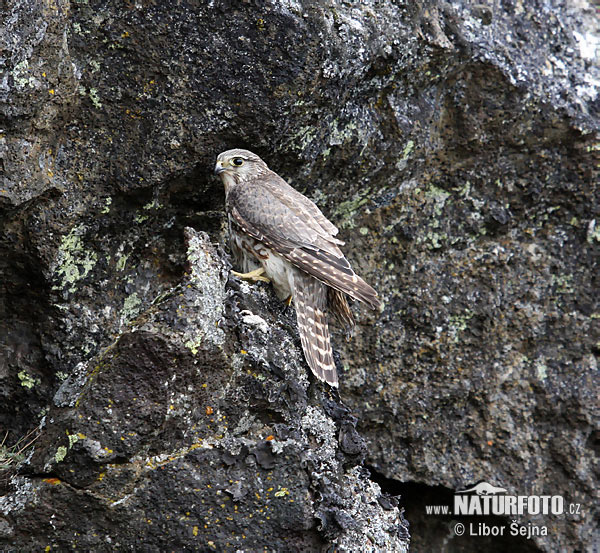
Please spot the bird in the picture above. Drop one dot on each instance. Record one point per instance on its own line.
(278, 235)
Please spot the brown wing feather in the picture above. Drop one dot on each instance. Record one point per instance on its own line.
(338, 305)
(260, 214)
(299, 203)
(340, 279)
(258, 204)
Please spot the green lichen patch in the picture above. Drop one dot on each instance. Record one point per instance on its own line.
(154, 204)
(433, 240)
(95, 98)
(106, 207)
(21, 75)
(282, 492)
(410, 145)
(458, 323)
(438, 196)
(92, 94)
(347, 210)
(194, 344)
(131, 307)
(73, 438)
(402, 162)
(60, 454)
(27, 381)
(121, 258)
(74, 260)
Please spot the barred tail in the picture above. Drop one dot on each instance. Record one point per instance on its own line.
(338, 305)
(310, 300)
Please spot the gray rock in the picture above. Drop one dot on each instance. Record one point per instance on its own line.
(454, 144)
(181, 439)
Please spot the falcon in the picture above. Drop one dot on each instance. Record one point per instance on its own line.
(278, 235)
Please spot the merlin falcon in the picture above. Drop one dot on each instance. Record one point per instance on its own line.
(278, 235)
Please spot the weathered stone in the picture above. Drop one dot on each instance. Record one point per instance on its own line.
(179, 439)
(455, 145)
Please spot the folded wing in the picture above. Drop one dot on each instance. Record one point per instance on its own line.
(298, 235)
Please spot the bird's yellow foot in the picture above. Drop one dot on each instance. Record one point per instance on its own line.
(288, 302)
(253, 276)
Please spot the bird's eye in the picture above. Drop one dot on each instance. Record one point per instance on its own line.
(237, 161)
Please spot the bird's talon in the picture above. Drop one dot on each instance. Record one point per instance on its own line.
(253, 276)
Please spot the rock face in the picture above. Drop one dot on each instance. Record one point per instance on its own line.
(176, 438)
(455, 145)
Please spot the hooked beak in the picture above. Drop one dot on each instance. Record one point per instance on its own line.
(219, 168)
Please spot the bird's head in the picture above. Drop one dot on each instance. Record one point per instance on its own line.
(236, 166)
